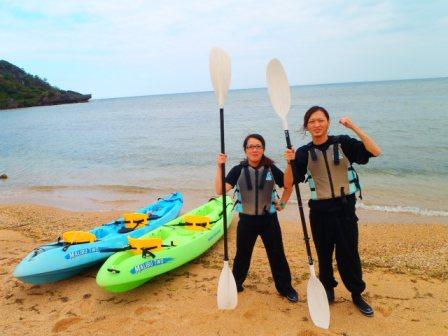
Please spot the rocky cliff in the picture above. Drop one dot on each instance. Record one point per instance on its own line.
(20, 89)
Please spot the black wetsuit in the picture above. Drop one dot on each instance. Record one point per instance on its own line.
(268, 228)
(334, 223)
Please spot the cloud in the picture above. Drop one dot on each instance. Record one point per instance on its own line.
(174, 37)
(122, 28)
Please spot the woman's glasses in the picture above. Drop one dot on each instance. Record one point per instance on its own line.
(252, 147)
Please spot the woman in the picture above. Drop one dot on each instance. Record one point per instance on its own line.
(327, 161)
(257, 202)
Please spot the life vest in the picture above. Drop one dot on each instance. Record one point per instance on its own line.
(255, 191)
(330, 173)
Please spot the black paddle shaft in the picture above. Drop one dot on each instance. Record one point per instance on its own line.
(299, 202)
(223, 184)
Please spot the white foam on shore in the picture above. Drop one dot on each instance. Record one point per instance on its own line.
(403, 209)
(394, 209)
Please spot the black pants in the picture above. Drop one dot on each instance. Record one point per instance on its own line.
(268, 228)
(335, 226)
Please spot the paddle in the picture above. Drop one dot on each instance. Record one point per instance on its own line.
(280, 95)
(220, 74)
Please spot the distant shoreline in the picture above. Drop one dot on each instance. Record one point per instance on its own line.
(74, 101)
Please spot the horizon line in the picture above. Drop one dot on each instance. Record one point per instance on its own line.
(294, 85)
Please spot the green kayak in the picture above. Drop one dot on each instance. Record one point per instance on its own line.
(165, 248)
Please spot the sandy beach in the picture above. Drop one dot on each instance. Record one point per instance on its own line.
(405, 266)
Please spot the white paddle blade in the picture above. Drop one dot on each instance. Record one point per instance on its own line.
(318, 301)
(220, 73)
(278, 88)
(227, 293)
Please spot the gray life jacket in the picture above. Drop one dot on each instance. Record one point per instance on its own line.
(255, 191)
(330, 173)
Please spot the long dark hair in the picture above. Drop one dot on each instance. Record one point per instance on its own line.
(265, 161)
(310, 112)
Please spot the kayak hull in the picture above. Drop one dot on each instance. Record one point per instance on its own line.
(127, 270)
(54, 262)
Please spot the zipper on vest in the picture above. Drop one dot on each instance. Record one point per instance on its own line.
(256, 191)
(329, 174)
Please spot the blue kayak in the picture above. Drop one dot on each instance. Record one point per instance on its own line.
(63, 259)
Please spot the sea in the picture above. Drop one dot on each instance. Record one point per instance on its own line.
(112, 153)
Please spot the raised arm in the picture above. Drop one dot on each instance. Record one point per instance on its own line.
(368, 142)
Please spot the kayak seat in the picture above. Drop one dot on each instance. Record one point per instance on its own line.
(196, 223)
(134, 221)
(78, 237)
(140, 244)
(146, 246)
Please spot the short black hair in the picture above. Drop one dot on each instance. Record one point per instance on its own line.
(311, 111)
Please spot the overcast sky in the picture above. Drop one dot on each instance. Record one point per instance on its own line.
(129, 48)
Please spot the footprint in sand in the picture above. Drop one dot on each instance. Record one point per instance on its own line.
(384, 310)
(249, 314)
(142, 310)
(86, 306)
(266, 292)
(64, 324)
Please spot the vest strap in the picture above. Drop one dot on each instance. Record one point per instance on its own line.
(336, 154)
(263, 178)
(247, 176)
(313, 154)
(356, 180)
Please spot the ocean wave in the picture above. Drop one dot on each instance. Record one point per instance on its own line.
(112, 187)
(395, 209)
(121, 188)
(403, 209)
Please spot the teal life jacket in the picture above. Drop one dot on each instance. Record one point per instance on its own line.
(255, 191)
(330, 173)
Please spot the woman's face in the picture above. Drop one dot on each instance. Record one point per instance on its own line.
(254, 150)
(318, 124)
